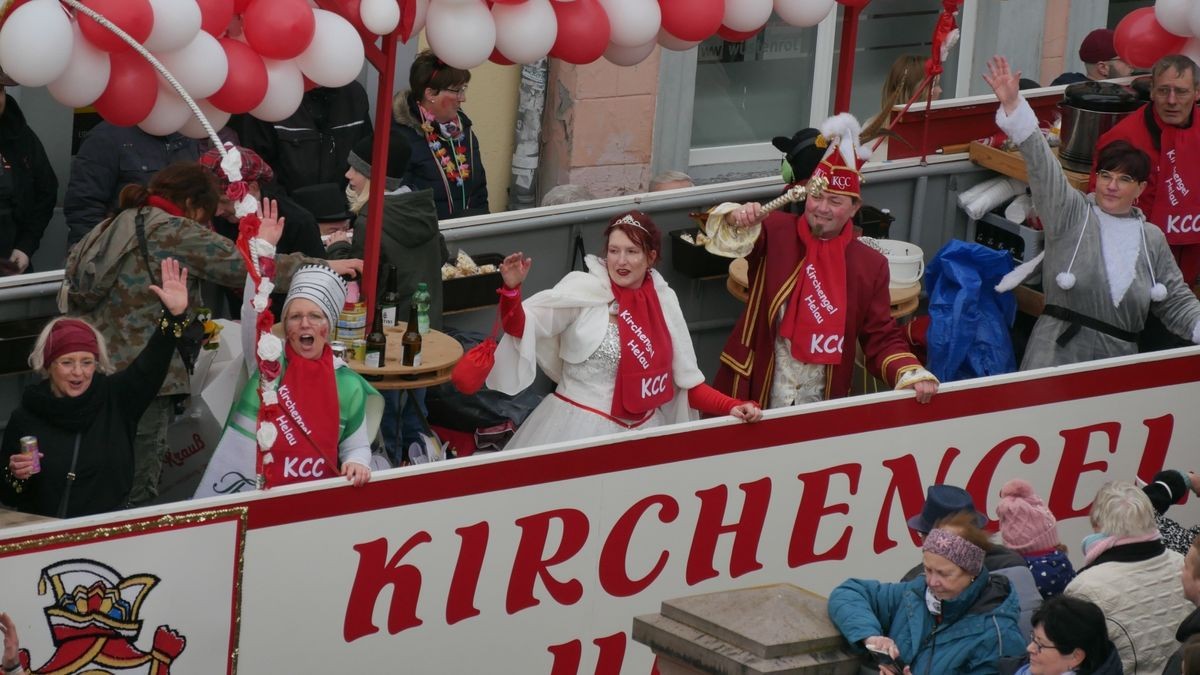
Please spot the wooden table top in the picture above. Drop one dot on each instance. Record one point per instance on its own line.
(439, 353)
(904, 300)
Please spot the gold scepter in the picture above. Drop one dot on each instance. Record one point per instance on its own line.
(738, 238)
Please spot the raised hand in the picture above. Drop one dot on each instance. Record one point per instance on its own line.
(1005, 82)
(174, 291)
(271, 227)
(514, 269)
(745, 215)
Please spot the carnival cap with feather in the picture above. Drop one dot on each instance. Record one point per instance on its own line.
(839, 171)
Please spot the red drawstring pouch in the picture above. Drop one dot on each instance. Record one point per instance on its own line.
(473, 368)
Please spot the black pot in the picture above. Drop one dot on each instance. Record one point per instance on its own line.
(1088, 110)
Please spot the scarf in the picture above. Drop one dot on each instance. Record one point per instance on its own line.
(815, 318)
(168, 206)
(1094, 546)
(1177, 200)
(75, 414)
(307, 445)
(644, 381)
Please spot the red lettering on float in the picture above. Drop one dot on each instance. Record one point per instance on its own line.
(529, 565)
(952, 454)
(747, 531)
(566, 658)
(802, 547)
(460, 602)
(1158, 440)
(614, 569)
(375, 571)
(980, 482)
(568, 655)
(906, 482)
(1072, 465)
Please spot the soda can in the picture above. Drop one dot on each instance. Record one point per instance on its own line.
(29, 446)
(338, 349)
(359, 348)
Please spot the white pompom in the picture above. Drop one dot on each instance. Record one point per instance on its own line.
(1065, 280)
(1158, 292)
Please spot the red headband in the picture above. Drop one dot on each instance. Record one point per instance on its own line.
(69, 336)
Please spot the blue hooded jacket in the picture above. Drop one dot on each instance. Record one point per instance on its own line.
(977, 628)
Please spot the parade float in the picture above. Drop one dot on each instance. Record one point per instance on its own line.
(536, 560)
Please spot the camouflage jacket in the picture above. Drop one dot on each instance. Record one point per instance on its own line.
(107, 282)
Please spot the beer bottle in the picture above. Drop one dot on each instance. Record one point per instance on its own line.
(376, 341)
(391, 299)
(411, 340)
(421, 300)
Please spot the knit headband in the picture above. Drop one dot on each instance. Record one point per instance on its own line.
(955, 549)
(69, 336)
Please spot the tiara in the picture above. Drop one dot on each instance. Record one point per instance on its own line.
(628, 219)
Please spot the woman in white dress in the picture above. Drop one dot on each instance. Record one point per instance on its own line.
(613, 338)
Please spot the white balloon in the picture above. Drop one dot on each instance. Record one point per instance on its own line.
(461, 33)
(525, 32)
(201, 67)
(168, 114)
(629, 56)
(1191, 49)
(217, 118)
(35, 43)
(422, 11)
(673, 43)
(803, 13)
(176, 23)
(335, 55)
(633, 22)
(285, 88)
(380, 16)
(1195, 21)
(746, 15)
(1175, 16)
(86, 75)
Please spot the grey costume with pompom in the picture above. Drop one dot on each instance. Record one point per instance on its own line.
(1070, 219)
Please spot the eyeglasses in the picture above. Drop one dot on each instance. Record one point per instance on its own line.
(1123, 178)
(461, 91)
(72, 364)
(315, 318)
(1037, 646)
(1166, 91)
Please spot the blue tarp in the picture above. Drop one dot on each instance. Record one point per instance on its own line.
(969, 321)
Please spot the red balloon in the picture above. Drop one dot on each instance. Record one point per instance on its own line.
(583, 31)
(240, 6)
(215, 16)
(135, 17)
(854, 3)
(246, 85)
(499, 59)
(353, 14)
(730, 35)
(132, 88)
(692, 20)
(1140, 40)
(279, 29)
(309, 85)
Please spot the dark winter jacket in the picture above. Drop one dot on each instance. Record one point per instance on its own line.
(110, 158)
(34, 185)
(1010, 564)
(312, 145)
(1189, 627)
(105, 417)
(410, 240)
(423, 170)
(977, 628)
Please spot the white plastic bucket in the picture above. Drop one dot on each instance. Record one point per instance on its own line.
(905, 261)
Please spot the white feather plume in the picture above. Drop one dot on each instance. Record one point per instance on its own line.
(843, 130)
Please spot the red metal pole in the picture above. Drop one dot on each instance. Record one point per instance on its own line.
(841, 101)
(379, 156)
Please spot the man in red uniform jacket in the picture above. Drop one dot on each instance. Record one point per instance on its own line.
(815, 291)
(1166, 131)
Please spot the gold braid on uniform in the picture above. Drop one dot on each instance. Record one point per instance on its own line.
(173, 326)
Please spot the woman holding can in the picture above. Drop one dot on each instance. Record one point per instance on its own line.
(68, 448)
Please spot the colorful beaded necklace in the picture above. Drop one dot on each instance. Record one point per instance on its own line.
(456, 167)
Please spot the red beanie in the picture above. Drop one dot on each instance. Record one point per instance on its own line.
(68, 336)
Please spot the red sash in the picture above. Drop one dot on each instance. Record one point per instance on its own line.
(815, 318)
(644, 380)
(1177, 200)
(307, 445)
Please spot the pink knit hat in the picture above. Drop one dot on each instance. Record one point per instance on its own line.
(1026, 525)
